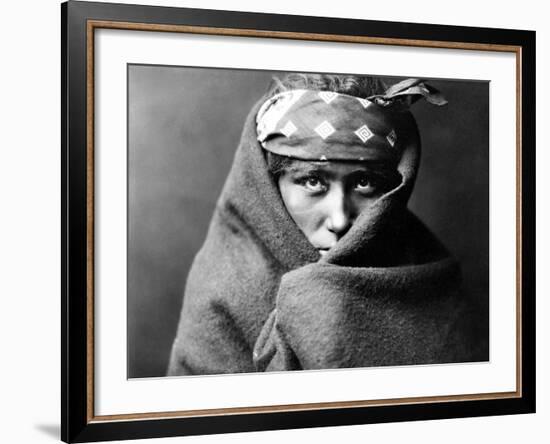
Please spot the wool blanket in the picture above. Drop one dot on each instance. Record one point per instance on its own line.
(259, 297)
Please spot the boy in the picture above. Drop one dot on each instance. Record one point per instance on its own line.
(312, 259)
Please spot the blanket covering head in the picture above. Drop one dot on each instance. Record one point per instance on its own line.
(260, 298)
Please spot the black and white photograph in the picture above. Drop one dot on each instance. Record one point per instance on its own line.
(304, 221)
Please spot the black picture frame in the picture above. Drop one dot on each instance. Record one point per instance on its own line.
(78, 423)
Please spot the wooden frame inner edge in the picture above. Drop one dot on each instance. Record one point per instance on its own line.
(90, 28)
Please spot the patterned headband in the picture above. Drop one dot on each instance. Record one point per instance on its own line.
(325, 125)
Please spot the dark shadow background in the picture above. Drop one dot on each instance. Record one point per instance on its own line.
(184, 127)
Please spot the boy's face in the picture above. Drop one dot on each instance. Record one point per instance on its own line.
(325, 198)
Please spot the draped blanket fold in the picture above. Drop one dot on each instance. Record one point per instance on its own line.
(260, 298)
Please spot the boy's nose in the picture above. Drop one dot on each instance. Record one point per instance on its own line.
(338, 218)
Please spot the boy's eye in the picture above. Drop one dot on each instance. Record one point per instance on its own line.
(365, 185)
(314, 184)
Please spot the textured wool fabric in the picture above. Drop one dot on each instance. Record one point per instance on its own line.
(259, 297)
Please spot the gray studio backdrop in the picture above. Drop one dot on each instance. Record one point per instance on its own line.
(184, 127)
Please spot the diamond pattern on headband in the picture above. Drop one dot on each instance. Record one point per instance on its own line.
(328, 96)
(364, 133)
(392, 138)
(289, 128)
(325, 129)
(364, 102)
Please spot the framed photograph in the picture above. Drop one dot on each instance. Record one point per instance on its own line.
(275, 221)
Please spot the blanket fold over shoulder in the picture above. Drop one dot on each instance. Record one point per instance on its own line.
(330, 316)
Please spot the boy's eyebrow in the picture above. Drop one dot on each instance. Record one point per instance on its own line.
(325, 168)
(306, 168)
